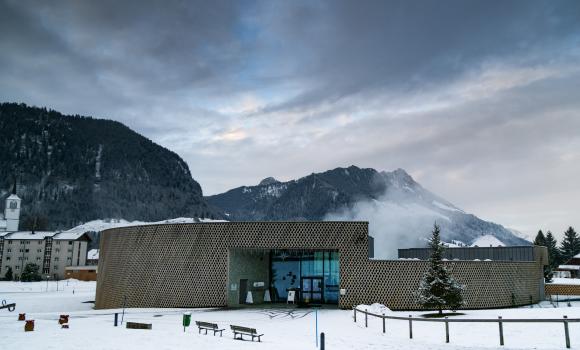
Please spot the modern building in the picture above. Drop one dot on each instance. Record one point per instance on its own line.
(51, 251)
(233, 263)
(513, 253)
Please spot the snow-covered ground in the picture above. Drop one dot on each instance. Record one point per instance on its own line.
(565, 281)
(284, 329)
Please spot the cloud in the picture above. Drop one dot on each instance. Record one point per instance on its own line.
(477, 99)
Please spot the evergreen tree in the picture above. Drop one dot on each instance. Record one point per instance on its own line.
(570, 244)
(9, 275)
(31, 273)
(553, 252)
(438, 289)
(540, 239)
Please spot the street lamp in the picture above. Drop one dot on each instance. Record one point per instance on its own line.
(47, 277)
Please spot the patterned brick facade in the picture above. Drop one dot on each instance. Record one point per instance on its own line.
(186, 265)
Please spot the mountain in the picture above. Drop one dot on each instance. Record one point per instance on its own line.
(74, 169)
(400, 211)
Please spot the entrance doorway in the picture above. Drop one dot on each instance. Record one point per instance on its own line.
(243, 290)
(312, 290)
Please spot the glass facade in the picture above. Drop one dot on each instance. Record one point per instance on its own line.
(313, 274)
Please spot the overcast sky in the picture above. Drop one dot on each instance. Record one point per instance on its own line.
(478, 100)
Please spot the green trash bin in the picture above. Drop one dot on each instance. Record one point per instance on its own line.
(186, 320)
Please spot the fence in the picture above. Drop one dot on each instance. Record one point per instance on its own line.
(500, 321)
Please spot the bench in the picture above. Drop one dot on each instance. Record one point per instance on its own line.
(245, 331)
(137, 325)
(208, 326)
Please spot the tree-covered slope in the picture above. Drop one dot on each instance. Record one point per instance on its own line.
(73, 169)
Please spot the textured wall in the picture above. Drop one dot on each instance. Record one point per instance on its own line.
(562, 289)
(186, 265)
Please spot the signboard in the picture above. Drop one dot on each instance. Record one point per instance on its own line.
(291, 297)
(258, 284)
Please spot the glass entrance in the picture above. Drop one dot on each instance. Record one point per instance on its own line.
(312, 290)
(314, 275)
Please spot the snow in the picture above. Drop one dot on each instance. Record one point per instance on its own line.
(93, 254)
(101, 225)
(487, 241)
(446, 207)
(284, 328)
(565, 281)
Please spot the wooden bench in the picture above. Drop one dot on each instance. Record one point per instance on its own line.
(208, 326)
(137, 325)
(245, 331)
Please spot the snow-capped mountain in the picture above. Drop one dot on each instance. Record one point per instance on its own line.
(401, 213)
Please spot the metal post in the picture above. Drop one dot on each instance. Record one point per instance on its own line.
(566, 332)
(124, 304)
(354, 315)
(446, 330)
(410, 327)
(500, 323)
(322, 341)
(384, 328)
(316, 331)
(366, 318)
(116, 318)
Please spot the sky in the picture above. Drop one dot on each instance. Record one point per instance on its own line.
(478, 100)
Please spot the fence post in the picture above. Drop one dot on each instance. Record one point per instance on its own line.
(500, 323)
(566, 332)
(446, 330)
(366, 318)
(384, 328)
(116, 318)
(410, 327)
(322, 341)
(354, 314)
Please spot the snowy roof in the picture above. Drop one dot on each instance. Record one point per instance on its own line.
(30, 234)
(569, 267)
(67, 235)
(13, 196)
(93, 254)
(89, 267)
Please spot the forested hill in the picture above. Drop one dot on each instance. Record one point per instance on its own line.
(73, 169)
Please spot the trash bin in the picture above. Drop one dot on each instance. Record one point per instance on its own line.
(21, 317)
(186, 320)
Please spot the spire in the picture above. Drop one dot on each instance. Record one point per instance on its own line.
(14, 187)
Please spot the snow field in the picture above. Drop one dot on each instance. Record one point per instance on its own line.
(284, 329)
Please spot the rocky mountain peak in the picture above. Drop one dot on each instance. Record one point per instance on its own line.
(268, 181)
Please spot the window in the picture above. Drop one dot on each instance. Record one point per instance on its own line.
(70, 250)
(58, 242)
(19, 258)
(21, 250)
(25, 258)
(57, 250)
(56, 267)
(7, 258)
(39, 242)
(70, 242)
(56, 258)
(21, 242)
(37, 258)
(27, 242)
(26, 250)
(9, 242)
(39, 250)
(9, 250)
(17, 267)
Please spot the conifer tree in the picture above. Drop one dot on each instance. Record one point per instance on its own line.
(553, 252)
(540, 239)
(570, 244)
(437, 289)
(9, 275)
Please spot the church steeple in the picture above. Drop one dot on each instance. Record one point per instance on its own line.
(14, 187)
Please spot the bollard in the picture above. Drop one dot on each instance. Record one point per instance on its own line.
(384, 328)
(29, 326)
(566, 332)
(500, 323)
(322, 341)
(410, 327)
(116, 318)
(354, 314)
(446, 330)
(366, 318)
(21, 317)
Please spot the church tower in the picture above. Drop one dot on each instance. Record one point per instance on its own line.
(12, 211)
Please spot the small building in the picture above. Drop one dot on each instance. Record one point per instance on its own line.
(81, 273)
(52, 251)
(570, 269)
(93, 257)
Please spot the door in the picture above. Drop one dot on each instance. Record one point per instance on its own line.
(312, 290)
(243, 291)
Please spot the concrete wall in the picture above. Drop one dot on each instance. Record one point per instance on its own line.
(186, 265)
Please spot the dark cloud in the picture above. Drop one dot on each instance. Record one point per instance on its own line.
(478, 99)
